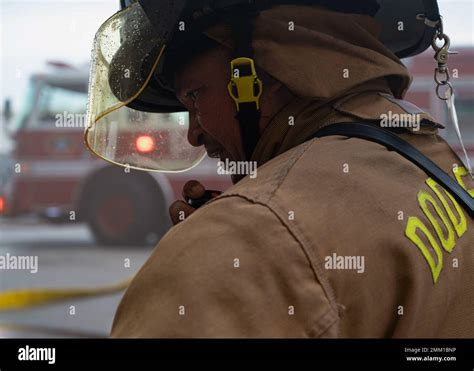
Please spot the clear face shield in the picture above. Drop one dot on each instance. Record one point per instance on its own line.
(126, 54)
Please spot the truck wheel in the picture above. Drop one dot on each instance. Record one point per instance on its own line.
(125, 209)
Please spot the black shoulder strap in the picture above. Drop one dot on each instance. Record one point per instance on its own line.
(394, 142)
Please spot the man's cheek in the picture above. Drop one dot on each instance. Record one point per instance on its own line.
(206, 121)
(221, 103)
(215, 126)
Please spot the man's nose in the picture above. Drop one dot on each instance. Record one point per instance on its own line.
(194, 130)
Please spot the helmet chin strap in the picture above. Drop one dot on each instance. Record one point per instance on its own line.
(244, 86)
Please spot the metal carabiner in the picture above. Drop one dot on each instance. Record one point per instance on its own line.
(442, 52)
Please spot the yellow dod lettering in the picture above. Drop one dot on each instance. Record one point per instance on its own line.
(459, 172)
(447, 242)
(459, 225)
(412, 226)
(415, 225)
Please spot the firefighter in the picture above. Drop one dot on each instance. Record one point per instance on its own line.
(334, 235)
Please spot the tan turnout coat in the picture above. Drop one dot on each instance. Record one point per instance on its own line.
(334, 237)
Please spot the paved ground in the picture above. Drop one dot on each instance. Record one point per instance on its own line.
(67, 257)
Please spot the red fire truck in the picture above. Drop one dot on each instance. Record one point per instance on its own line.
(50, 173)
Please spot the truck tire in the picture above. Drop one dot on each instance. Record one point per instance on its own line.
(125, 208)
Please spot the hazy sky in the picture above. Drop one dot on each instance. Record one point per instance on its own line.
(34, 31)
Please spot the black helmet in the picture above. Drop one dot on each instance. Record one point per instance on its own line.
(135, 49)
(419, 19)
